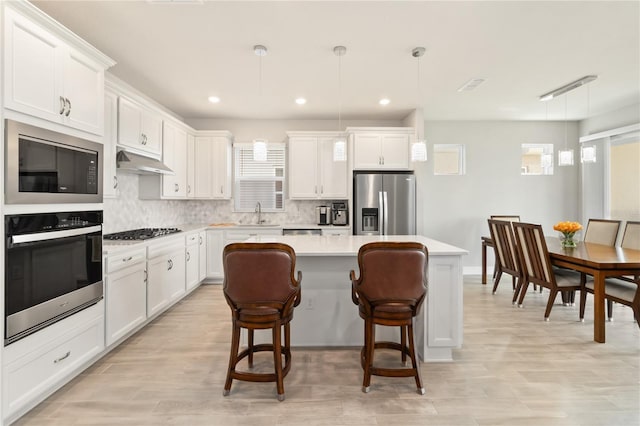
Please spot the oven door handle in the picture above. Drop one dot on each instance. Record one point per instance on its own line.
(43, 236)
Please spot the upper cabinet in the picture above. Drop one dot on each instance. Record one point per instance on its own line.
(212, 165)
(313, 173)
(110, 186)
(383, 148)
(174, 155)
(51, 74)
(139, 127)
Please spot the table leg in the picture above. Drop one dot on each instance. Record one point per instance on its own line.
(484, 262)
(598, 307)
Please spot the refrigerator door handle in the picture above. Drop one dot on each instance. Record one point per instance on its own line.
(386, 213)
(381, 216)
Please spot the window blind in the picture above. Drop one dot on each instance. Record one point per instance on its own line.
(259, 181)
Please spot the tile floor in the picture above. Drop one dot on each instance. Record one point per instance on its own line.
(513, 369)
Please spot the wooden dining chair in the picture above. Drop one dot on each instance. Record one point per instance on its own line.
(507, 259)
(261, 290)
(508, 218)
(602, 231)
(624, 290)
(537, 268)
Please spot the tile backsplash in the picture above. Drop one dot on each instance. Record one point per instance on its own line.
(129, 212)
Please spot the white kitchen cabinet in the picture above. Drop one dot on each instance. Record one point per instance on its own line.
(174, 155)
(47, 76)
(336, 232)
(139, 128)
(125, 293)
(192, 258)
(110, 178)
(202, 255)
(39, 364)
(312, 172)
(385, 148)
(215, 245)
(191, 165)
(165, 274)
(212, 163)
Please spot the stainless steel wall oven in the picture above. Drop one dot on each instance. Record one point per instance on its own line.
(46, 167)
(53, 268)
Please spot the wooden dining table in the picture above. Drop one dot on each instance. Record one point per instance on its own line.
(597, 260)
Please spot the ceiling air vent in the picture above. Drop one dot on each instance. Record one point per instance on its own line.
(471, 84)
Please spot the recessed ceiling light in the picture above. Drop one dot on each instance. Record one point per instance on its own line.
(301, 101)
(214, 99)
(384, 101)
(471, 84)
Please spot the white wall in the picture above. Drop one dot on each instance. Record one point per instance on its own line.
(455, 209)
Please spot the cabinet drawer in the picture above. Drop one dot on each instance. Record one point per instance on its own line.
(119, 261)
(30, 376)
(166, 247)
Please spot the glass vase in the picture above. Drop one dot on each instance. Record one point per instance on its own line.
(567, 241)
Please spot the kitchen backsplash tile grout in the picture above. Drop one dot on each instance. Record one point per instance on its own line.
(129, 212)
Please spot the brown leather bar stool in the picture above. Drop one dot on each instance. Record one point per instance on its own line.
(261, 290)
(390, 292)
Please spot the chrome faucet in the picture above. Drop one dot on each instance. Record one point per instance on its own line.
(259, 211)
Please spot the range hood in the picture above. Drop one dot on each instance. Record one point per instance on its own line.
(134, 163)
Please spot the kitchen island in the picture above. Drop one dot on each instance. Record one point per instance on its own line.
(327, 315)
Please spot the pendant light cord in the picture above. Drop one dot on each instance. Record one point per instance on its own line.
(565, 122)
(339, 93)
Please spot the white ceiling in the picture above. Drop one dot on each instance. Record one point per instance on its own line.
(179, 54)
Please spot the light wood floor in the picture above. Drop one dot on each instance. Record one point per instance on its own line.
(513, 369)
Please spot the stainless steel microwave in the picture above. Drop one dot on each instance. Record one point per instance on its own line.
(46, 167)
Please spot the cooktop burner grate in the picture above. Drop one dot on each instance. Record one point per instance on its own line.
(140, 234)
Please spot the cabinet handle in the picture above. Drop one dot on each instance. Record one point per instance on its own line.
(177, 187)
(188, 189)
(62, 358)
(145, 139)
(315, 189)
(188, 256)
(169, 264)
(115, 182)
(321, 189)
(126, 259)
(146, 276)
(221, 189)
(62, 105)
(383, 160)
(68, 102)
(199, 240)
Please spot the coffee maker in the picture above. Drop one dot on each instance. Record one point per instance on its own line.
(340, 213)
(323, 215)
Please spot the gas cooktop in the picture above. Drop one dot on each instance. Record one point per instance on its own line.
(140, 234)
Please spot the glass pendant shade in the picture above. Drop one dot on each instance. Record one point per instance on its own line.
(259, 150)
(588, 154)
(565, 157)
(339, 149)
(419, 150)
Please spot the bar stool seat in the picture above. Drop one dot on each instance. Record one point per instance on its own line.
(261, 290)
(390, 292)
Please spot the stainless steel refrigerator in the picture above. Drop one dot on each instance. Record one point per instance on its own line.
(384, 203)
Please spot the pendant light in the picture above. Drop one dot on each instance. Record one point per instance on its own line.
(340, 143)
(565, 156)
(588, 152)
(260, 145)
(419, 146)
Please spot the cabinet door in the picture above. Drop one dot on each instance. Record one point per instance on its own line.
(126, 301)
(204, 167)
(202, 256)
(191, 166)
(366, 151)
(303, 168)
(110, 186)
(84, 92)
(32, 69)
(152, 132)
(129, 123)
(157, 296)
(192, 267)
(333, 174)
(395, 151)
(215, 245)
(175, 278)
(221, 167)
(174, 155)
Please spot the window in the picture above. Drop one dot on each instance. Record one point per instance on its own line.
(537, 159)
(448, 159)
(258, 181)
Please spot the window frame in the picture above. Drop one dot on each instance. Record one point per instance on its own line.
(237, 179)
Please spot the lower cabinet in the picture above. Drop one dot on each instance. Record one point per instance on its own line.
(192, 256)
(166, 268)
(202, 255)
(215, 245)
(36, 366)
(125, 293)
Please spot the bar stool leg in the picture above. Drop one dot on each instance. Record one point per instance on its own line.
(277, 359)
(403, 343)
(233, 357)
(250, 344)
(369, 339)
(414, 361)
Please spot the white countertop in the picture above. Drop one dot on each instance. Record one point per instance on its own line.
(348, 245)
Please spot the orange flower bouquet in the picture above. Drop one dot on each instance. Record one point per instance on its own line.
(568, 230)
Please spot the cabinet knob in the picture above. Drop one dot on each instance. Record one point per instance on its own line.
(62, 105)
(68, 102)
